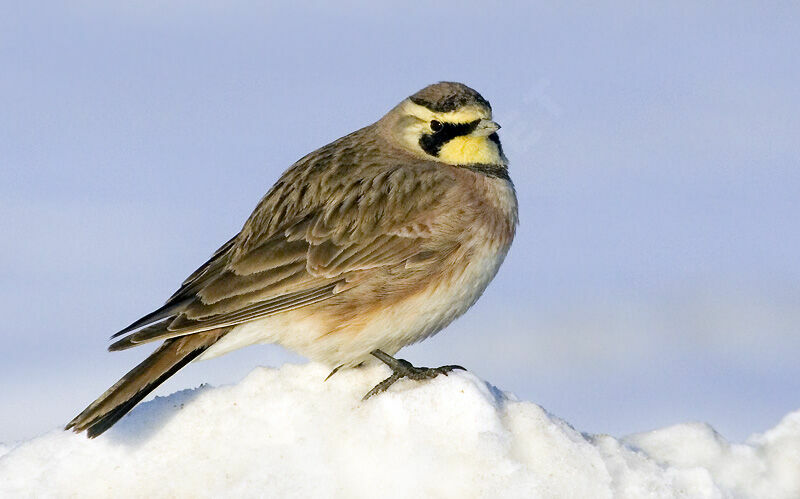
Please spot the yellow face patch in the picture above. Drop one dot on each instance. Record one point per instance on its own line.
(470, 149)
(460, 150)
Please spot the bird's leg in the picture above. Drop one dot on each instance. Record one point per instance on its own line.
(403, 369)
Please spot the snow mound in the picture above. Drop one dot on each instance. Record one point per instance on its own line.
(285, 433)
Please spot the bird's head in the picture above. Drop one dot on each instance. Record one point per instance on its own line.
(447, 122)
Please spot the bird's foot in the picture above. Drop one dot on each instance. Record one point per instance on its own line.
(404, 369)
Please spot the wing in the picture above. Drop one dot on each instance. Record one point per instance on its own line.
(326, 222)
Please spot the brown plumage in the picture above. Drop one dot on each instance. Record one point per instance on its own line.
(372, 242)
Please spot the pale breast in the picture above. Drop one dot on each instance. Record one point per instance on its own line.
(484, 248)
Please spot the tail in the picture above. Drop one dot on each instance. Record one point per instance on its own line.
(118, 400)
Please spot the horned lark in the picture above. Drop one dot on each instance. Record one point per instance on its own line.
(370, 243)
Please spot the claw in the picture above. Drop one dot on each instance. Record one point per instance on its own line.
(404, 369)
(332, 373)
(382, 386)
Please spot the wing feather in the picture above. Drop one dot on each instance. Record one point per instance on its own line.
(331, 216)
(230, 284)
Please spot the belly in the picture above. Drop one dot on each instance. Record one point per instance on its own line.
(429, 311)
(388, 326)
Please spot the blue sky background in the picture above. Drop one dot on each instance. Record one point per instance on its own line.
(655, 278)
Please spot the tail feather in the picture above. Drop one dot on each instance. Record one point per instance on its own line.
(169, 309)
(118, 400)
(159, 328)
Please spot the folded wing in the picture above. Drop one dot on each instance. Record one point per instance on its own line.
(302, 246)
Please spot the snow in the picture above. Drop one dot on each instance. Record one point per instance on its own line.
(285, 433)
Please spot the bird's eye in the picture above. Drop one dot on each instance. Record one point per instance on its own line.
(436, 125)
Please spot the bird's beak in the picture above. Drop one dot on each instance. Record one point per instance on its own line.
(485, 128)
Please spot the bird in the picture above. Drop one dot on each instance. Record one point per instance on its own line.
(373, 242)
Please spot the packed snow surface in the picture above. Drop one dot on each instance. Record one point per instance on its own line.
(285, 433)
